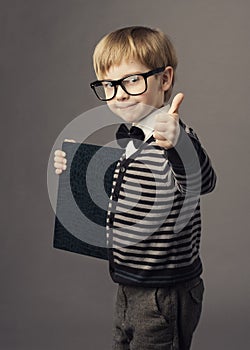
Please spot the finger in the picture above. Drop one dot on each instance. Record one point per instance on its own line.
(176, 103)
(158, 136)
(60, 166)
(164, 126)
(169, 136)
(60, 153)
(60, 160)
(166, 118)
(164, 144)
(58, 171)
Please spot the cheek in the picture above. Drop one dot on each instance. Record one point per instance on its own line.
(155, 94)
(110, 106)
(147, 98)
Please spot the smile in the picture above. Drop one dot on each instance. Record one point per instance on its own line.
(125, 106)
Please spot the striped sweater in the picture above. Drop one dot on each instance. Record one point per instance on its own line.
(153, 220)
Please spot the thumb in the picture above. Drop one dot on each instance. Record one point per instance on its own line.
(176, 103)
(67, 140)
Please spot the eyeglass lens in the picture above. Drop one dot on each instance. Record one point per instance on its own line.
(134, 85)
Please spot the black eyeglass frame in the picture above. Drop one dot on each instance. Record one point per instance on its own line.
(115, 83)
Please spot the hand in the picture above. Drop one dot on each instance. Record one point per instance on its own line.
(60, 160)
(167, 128)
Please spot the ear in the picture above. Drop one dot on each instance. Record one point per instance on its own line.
(167, 78)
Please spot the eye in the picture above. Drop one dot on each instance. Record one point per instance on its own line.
(132, 79)
(107, 84)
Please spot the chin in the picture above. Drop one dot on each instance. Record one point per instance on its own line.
(128, 115)
(129, 118)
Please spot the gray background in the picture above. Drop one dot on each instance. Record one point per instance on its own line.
(51, 299)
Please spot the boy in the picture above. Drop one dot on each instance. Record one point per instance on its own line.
(153, 219)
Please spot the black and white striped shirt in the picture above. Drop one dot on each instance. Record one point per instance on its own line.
(153, 220)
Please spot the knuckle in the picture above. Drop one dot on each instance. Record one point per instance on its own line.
(59, 153)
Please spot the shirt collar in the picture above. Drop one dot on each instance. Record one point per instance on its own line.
(148, 122)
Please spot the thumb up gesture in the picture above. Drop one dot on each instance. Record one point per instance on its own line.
(167, 128)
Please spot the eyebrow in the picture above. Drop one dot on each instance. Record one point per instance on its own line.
(127, 75)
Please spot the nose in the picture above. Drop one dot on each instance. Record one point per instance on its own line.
(121, 95)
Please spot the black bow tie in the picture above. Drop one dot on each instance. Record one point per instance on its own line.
(124, 135)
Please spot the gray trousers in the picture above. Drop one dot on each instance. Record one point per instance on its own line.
(149, 318)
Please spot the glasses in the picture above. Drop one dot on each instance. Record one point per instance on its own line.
(135, 84)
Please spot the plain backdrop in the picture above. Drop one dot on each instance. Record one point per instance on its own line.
(52, 299)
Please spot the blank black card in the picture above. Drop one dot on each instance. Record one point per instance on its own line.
(90, 169)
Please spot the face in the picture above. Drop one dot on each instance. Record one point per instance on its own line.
(134, 108)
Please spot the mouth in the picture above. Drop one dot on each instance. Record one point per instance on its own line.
(125, 106)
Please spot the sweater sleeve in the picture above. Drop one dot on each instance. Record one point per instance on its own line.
(190, 164)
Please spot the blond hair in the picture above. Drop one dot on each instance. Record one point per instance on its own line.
(151, 47)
